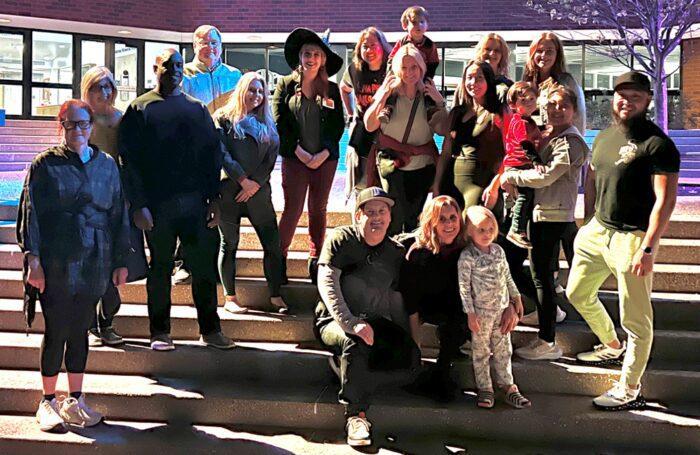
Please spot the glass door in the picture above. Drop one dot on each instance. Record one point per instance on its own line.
(125, 74)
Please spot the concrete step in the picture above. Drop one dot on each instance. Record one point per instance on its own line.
(27, 131)
(132, 322)
(33, 139)
(43, 124)
(17, 157)
(265, 362)
(307, 406)
(35, 148)
(13, 167)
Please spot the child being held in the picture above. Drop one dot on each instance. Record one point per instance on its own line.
(522, 140)
(415, 21)
(487, 288)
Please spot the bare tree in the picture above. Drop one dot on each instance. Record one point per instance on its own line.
(622, 27)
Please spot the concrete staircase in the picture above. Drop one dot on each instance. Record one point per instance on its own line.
(275, 393)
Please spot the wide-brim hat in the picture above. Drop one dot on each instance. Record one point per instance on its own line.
(301, 36)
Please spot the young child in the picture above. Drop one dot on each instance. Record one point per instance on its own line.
(487, 288)
(522, 140)
(415, 21)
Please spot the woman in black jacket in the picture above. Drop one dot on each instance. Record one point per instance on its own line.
(308, 111)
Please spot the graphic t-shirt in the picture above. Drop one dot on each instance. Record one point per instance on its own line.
(624, 163)
(364, 84)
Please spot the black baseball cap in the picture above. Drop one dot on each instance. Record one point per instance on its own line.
(373, 193)
(633, 79)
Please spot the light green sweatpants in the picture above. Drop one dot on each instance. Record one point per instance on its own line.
(598, 253)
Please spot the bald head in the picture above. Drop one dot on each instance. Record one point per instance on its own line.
(168, 70)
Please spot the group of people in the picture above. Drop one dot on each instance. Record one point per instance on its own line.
(197, 151)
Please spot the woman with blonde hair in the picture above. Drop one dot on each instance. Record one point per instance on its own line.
(546, 69)
(308, 112)
(405, 153)
(360, 82)
(99, 90)
(251, 141)
(493, 49)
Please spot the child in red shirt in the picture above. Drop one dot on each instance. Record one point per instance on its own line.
(522, 140)
(415, 21)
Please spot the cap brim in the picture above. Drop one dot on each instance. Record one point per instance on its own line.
(301, 36)
(390, 202)
(633, 85)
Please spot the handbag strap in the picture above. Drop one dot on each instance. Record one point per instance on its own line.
(411, 117)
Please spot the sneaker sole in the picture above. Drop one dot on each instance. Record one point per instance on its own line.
(218, 346)
(545, 357)
(359, 442)
(601, 363)
(59, 427)
(639, 403)
(112, 343)
(163, 349)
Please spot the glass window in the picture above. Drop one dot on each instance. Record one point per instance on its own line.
(671, 65)
(52, 58)
(455, 59)
(151, 51)
(92, 54)
(250, 59)
(278, 66)
(47, 101)
(11, 99)
(11, 49)
(125, 69)
(601, 69)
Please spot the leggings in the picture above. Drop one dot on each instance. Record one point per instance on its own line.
(67, 318)
(470, 179)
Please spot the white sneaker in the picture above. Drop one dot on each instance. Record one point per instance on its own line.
(466, 348)
(76, 412)
(48, 417)
(358, 429)
(162, 342)
(620, 398)
(603, 355)
(533, 319)
(539, 350)
(94, 338)
(182, 276)
(559, 289)
(233, 307)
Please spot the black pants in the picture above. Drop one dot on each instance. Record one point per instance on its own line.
(261, 213)
(182, 217)
(546, 239)
(107, 308)
(409, 190)
(363, 368)
(67, 318)
(452, 330)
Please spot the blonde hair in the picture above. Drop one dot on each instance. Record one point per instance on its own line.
(411, 13)
(235, 110)
(364, 34)
(408, 50)
(531, 72)
(429, 218)
(203, 30)
(92, 77)
(503, 65)
(475, 215)
(320, 83)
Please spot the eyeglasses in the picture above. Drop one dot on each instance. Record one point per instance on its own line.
(71, 125)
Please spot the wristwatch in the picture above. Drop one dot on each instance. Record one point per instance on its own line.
(647, 250)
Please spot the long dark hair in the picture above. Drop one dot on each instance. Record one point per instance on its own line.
(491, 101)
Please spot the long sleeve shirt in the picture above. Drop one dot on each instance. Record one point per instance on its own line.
(212, 87)
(73, 216)
(485, 282)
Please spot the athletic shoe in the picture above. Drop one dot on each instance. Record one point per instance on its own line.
(532, 319)
(217, 340)
(94, 338)
(48, 417)
(110, 337)
(162, 342)
(233, 307)
(603, 355)
(182, 276)
(519, 240)
(559, 289)
(466, 348)
(358, 429)
(620, 398)
(76, 412)
(539, 350)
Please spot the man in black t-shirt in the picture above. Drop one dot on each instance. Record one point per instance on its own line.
(631, 189)
(171, 156)
(361, 318)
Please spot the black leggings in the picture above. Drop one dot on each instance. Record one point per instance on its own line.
(67, 318)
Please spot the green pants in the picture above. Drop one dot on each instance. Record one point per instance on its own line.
(598, 253)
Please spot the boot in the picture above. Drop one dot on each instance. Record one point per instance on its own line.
(312, 265)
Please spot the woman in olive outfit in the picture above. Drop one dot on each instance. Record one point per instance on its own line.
(250, 137)
(473, 150)
(308, 111)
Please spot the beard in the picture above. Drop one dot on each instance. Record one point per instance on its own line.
(633, 124)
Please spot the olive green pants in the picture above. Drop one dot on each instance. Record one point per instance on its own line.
(598, 253)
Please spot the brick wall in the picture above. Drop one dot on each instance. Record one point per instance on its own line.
(690, 83)
(283, 16)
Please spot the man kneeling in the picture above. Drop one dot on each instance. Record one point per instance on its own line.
(361, 318)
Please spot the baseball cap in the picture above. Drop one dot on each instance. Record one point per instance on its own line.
(633, 79)
(373, 193)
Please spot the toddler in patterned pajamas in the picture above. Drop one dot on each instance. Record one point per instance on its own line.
(487, 288)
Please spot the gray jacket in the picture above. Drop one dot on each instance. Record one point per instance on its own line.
(556, 188)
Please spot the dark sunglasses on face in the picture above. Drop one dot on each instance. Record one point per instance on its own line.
(71, 125)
